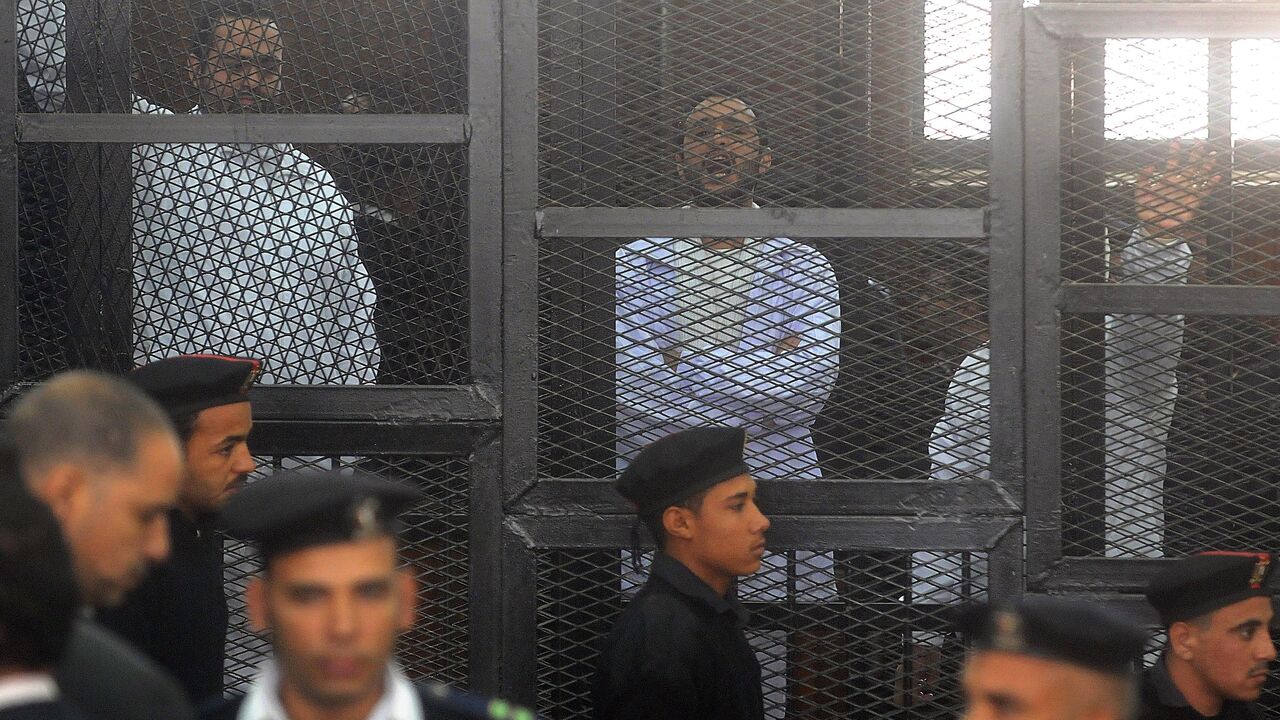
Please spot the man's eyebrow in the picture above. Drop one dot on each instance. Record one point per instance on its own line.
(738, 496)
(1249, 625)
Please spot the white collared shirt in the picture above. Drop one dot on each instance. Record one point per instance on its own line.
(399, 700)
(26, 689)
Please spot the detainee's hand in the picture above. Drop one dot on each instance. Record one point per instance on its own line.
(1169, 197)
(787, 344)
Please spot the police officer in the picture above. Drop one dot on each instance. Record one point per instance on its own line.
(1217, 608)
(678, 651)
(178, 616)
(1049, 659)
(334, 597)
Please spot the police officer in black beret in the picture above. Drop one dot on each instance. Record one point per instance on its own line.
(178, 616)
(1049, 659)
(1217, 608)
(334, 596)
(678, 650)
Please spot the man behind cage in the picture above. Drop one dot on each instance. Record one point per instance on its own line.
(737, 331)
(239, 249)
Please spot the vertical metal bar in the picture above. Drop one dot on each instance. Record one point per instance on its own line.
(485, 588)
(1006, 576)
(9, 79)
(484, 190)
(1004, 315)
(520, 249)
(1043, 440)
(520, 609)
(116, 183)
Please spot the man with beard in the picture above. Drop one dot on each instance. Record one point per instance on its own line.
(742, 332)
(178, 616)
(1217, 608)
(239, 248)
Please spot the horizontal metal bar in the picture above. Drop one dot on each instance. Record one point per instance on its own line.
(1217, 300)
(121, 128)
(343, 439)
(1099, 574)
(793, 497)
(374, 404)
(1160, 20)
(602, 222)
(787, 531)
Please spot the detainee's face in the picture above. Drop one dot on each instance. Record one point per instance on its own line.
(116, 518)
(721, 157)
(218, 459)
(241, 71)
(334, 612)
(727, 529)
(1007, 686)
(1232, 653)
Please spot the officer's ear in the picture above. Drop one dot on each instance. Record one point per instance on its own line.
(407, 588)
(1184, 638)
(678, 522)
(65, 488)
(255, 601)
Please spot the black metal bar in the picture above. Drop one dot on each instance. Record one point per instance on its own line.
(1213, 300)
(602, 222)
(1005, 570)
(485, 190)
(1005, 311)
(452, 439)
(374, 404)
(484, 585)
(520, 616)
(1160, 20)
(1094, 574)
(9, 79)
(1042, 409)
(787, 531)
(520, 250)
(793, 497)
(124, 128)
(1135, 607)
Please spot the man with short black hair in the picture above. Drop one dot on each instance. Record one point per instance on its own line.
(1049, 659)
(105, 460)
(334, 597)
(178, 616)
(1217, 609)
(679, 650)
(38, 602)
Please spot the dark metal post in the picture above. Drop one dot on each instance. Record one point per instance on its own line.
(9, 79)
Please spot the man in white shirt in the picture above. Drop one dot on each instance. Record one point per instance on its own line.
(239, 249)
(334, 596)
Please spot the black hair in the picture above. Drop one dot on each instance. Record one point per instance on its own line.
(653, 521)
(729, 92)
(216, 14)
(185, 425)
(38, 594)
(84, 417)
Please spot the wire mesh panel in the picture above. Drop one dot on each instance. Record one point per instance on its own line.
(433, 544)
(859, 635)
(1168, 152)
(879, 103)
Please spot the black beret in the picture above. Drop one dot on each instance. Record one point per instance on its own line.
(1208, 581)
(190, 383)
(295, 510)
(682, 464)
(1069, 631)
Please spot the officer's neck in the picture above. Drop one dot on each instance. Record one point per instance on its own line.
(297, 706)
(1194, 689)
(716, 579)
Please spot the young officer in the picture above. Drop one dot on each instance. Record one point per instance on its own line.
(334, 597)
(1049, 659)
(1217, 608)
(679, 650)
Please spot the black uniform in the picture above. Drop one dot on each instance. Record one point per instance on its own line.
(678, 651)
(178, 616)
(438, 703)
(1161, 700)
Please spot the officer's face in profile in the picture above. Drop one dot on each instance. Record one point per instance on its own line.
(1230, 650)
(1008, 686)
(218, 459)
(334, 612)
(116, 519)
(241, 70)
(721, 156)
(724, 537)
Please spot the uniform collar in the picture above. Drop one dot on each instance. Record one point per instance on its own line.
(399, 701)
(686, 583)
(27, 689)
(1166, 692)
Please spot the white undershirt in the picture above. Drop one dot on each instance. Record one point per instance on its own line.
(26, 689)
